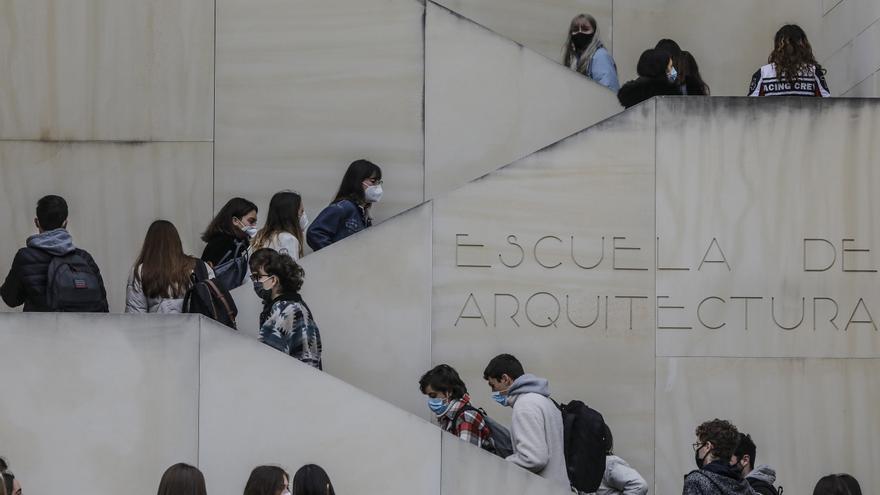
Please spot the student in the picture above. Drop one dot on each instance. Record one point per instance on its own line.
(585, 53)
(76, 283)
(792, 69)
(182, 479)
(349, 212)
(837, 484)
(268, 480)
(234, 225)
(536, 428)
(619, 477)
(656, 78)
(716, 441)
(761, 479)
(162, 273)
(285, 223)
(689, 76)
(286, 322)
(311, 479)
(448, 399)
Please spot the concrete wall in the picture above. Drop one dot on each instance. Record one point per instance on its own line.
(852, 33)
(112, 400)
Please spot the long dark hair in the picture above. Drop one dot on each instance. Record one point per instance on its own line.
(351, 187)
(265, 480)
(182, 479)
(791, 53)
(689, 75)
(162, 268)
(222, 223)
(283, 216)
(311, 479)
(653, 64)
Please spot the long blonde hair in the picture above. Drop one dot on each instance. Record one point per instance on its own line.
(585, 60)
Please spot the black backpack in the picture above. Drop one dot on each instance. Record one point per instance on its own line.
(232, 269)
(74, 285)
(209, 298)
(501, 444)
(584, 432)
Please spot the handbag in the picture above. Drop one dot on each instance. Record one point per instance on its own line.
(232, 269)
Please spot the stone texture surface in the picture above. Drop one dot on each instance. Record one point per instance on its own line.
(856, 61)
(109, 401)
(760, 177)
(305, 88)
(489, 101)
(541, 26)
(258, 406)
(113, 191)
(107, 70)
(597, 184)
(808, 417)
(371, 297)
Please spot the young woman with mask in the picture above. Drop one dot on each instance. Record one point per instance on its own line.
(286, 321)
(656, 78)
(689, 76)
(285, 223)
(585, 53)
(162, 273)
(311, 479)
(234, 224)
(349, 212)
(268, 480)
(792, 69)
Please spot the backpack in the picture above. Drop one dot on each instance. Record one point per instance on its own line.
(208, 298)
(584, 435)
(501, 444)
(232, 269)
(74, 285)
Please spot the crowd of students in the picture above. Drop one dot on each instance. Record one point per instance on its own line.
(311, 479)
(667, 70)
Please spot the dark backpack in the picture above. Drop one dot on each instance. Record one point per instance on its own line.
(584, 435)
(74, 285)
(232, 269)
(209, 298)
(501, 444)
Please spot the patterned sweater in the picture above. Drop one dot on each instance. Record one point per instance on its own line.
(288, 326)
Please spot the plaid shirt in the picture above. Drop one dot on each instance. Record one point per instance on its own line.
(469, 426)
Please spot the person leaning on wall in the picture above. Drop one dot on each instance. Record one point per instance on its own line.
(584, 52)
(349, 212)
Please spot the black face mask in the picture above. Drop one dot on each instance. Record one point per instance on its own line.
(581, 40)
(700, 460)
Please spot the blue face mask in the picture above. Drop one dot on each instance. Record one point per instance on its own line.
(673, 75)
(499, 398)
(437, 406)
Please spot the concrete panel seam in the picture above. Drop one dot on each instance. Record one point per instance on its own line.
(851, 41)
(854, 86)
(129, 142)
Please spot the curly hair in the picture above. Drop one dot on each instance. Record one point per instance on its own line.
(290, 274)
(792, 52)
(723, 435)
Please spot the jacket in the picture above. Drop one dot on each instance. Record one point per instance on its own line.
(138, 302)
(536, 429)
(621, 479)
(287, 325)
(643, 88)
(335, 222)
(284, 243)
(761, 479)
(220, 246)
(810, 81)
(469, 425)
(28, 277)
(715, 478)
(603, 70)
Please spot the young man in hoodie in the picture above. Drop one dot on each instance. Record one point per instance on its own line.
(28, 279)
(536, 429)
(716, 441)
(761, 479)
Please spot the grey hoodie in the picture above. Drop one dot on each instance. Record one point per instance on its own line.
(761, 479)
(536, 430)
(620, 478)
(57, 242)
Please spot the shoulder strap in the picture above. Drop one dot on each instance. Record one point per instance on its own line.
(200, 271)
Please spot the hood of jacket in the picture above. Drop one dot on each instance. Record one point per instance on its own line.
(529, 383)
(763, 473)
(57, 242)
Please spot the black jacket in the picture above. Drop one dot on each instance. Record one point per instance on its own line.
(27, 279)
(218, 247)
(643, 88)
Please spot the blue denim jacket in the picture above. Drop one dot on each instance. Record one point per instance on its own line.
(335, 222)
(603, 70)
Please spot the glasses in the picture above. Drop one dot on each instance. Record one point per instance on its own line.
(256, 277)
(697, 445)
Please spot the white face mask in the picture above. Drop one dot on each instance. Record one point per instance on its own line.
(250, 231)
(373, 193)
(303, 221)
